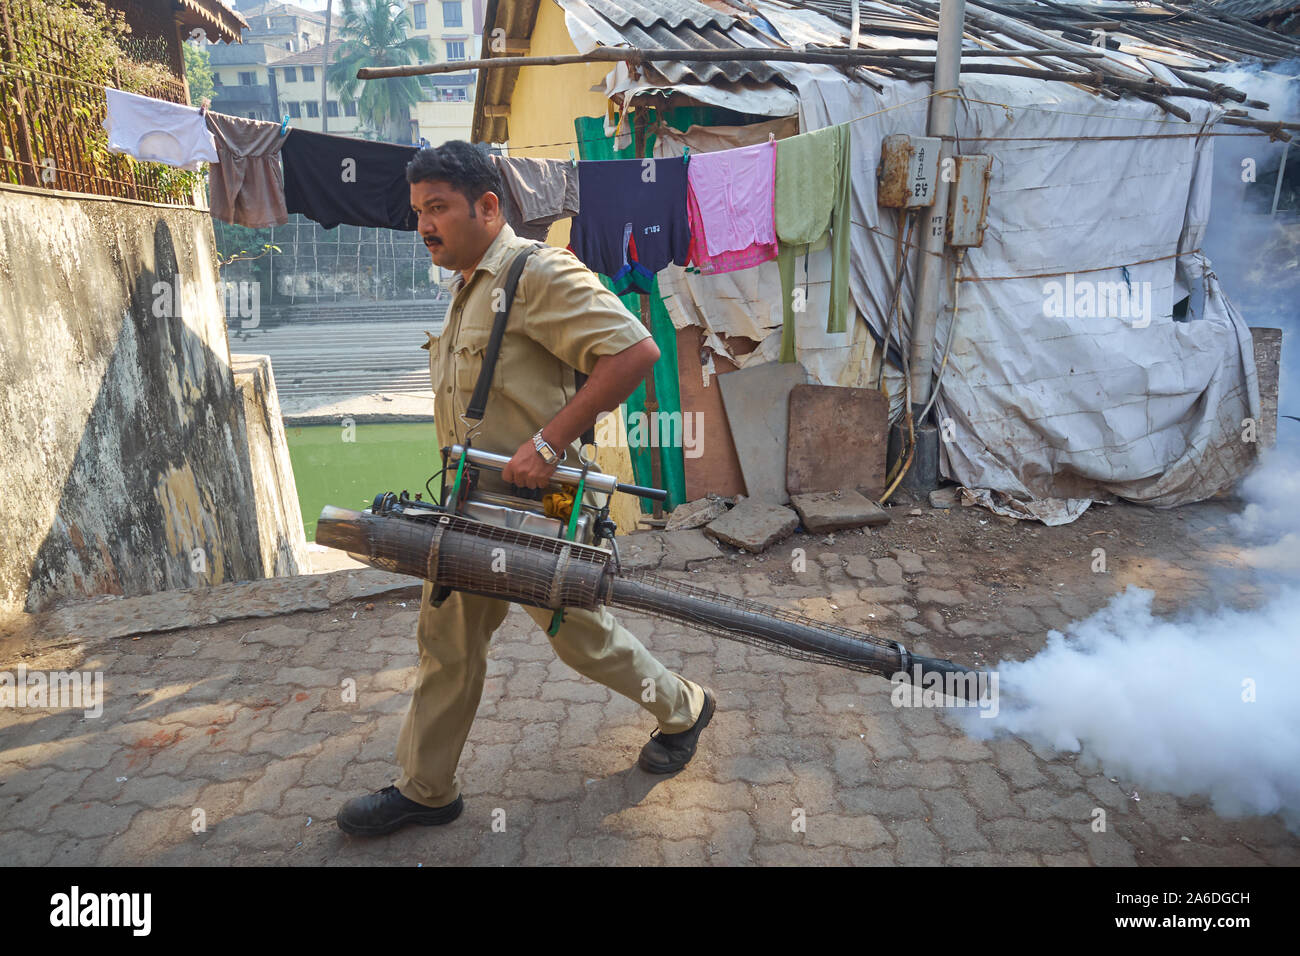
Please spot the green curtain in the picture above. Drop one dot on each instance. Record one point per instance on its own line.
(672, 476)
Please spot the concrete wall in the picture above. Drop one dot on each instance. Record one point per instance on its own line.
(281, 539)
(440, 122)
(125, 462)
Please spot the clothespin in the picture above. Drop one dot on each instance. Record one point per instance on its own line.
(686, 154)
(572, 158)
(284, 125)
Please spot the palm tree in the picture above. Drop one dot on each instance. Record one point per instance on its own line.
(374, 33)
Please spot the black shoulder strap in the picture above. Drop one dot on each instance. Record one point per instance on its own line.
(478, 401)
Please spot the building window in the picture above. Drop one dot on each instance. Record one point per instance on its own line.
(421, 20)
(456, 50)
(332, 108)
(313, 108)
(309, 74)
(350, 108)
(252, 116)
(247, 79)
(290, 74)
(216, 79)
(293, 109)
(451, 14)
(288, 44)
(452, 94)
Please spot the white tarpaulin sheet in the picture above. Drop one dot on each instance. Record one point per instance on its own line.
(1069, 377)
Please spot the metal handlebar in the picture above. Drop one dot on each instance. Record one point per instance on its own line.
(563, 474)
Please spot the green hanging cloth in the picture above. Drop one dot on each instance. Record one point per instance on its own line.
(813, 194)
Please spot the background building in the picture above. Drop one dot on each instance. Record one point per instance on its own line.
(242, 83)
(283, 25)
(242, 74)
(297, 80)
(455, 32)
(276, 72)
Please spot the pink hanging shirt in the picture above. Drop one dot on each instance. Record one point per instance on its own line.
(731, 204)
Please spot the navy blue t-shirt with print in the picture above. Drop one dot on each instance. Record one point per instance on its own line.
(632, 219)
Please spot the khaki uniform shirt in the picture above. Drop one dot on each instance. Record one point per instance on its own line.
(562, 319)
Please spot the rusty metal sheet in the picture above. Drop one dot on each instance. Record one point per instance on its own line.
(968, 202)
(908, 169)
(837, 440)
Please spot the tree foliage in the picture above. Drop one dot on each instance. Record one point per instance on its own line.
(91, 45)
(375, 33)
(198, 70)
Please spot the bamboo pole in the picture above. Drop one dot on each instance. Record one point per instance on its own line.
(634, 55)
(1274, 130)
(1101, 77)
(1231, 21)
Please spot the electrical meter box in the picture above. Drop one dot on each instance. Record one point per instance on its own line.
(909, 168)
(968, 200)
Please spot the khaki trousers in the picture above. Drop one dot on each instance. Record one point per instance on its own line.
(453, 641)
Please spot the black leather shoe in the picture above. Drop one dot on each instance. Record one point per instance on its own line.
(387, 810)
(665, 753)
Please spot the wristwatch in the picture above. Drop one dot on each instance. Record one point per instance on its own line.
(545, 450)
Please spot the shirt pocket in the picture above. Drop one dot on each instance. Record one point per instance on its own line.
(467, 354)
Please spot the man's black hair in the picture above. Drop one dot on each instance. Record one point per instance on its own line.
(462, 165)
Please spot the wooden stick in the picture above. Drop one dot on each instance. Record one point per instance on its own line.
(1275, 130)
(633, 55)
(847, 57)
(1232, 22)
(1224, 92)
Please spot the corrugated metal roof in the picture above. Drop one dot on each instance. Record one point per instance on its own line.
(676, 25)
(685, 37)
(671, 13)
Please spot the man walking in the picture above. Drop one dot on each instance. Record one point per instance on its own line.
(562, 319)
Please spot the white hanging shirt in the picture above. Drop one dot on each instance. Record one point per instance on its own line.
(158, 131)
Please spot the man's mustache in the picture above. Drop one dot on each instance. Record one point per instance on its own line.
(430, 241)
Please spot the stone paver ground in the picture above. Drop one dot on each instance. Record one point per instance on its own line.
(247, 726)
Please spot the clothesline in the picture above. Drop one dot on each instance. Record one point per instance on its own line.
(723, 211)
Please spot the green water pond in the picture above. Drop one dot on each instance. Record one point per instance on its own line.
(331, 470)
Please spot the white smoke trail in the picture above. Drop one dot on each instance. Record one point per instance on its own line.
(1271, 519)
(1203, 705)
